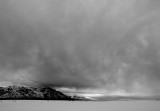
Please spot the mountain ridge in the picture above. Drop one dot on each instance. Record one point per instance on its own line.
(32, 93)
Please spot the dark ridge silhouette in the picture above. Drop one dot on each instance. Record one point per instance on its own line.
(30, 93)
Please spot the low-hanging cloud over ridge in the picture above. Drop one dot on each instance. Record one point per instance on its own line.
(107, 44)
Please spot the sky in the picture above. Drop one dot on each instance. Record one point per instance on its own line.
(91, 46)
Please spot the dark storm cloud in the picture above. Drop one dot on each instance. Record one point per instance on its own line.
(108, 44)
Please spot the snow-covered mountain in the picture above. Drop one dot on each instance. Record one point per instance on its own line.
(30, 93)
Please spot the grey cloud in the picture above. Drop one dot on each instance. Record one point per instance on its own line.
(109, 44)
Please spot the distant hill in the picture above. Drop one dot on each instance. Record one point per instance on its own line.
(30, 93)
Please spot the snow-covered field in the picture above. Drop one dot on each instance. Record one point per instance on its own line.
(79, 106)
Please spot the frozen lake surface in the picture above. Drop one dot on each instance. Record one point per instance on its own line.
(79, 106)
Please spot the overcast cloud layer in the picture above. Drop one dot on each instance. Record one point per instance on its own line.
(99, 44)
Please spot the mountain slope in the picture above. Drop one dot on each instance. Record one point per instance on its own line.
(29, 93)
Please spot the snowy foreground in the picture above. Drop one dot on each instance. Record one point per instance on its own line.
(79, 105)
